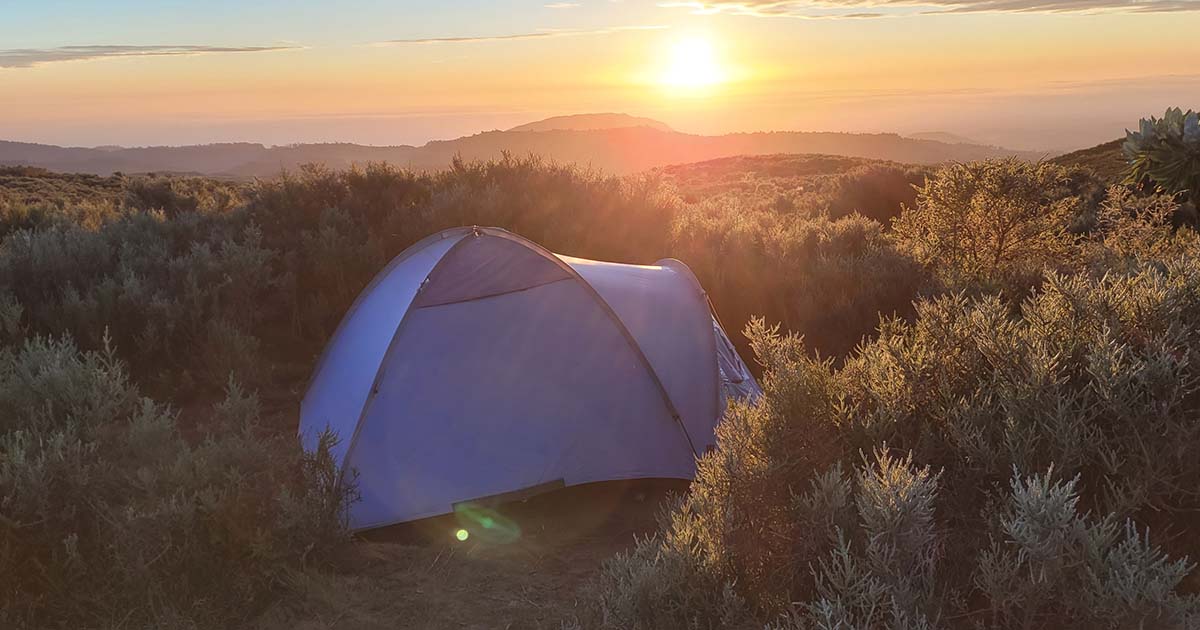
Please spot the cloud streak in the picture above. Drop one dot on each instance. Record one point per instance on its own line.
(823, 9)
(519, 36)
(30, 57)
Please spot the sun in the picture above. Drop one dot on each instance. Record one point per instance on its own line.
(692, 63)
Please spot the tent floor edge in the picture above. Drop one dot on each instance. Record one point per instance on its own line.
(493, 500)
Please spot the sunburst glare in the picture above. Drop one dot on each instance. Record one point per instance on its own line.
(692, 63)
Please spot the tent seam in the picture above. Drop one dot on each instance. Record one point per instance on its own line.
(371, 393)
(492, 295)
(616, 320)
(409, 252)
(681, 267)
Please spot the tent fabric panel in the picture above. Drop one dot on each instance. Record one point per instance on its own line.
(483, 265)
(488, 396)
(669, 318)
(340, 387)
(734, 377)
(736, 380)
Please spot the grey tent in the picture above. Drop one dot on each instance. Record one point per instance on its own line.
(478, 364)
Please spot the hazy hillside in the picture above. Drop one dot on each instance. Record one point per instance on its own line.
(1107, 160)
(212, 159)
(32, 185)
(942, 136)
(619, 151)
(585, 122)
(805, 184)
(761, 174)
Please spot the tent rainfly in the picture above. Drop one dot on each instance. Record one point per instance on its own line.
(478, 364)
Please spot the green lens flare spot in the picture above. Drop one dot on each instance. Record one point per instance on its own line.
(486, 523)
(462, 535)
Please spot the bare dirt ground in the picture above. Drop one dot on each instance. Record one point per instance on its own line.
(422, 576)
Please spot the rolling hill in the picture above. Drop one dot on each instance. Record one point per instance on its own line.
(617, 150)
(1107, 160)
(587, 122)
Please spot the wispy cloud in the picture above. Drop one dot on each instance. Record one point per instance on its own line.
(820, 9)
(518, 36)
(562, 5)
(1074, 6)
(29, 57)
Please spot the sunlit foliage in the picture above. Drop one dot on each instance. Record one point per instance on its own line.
(1166, 151)
(1001, 384)
(997, 224)
(994, 461)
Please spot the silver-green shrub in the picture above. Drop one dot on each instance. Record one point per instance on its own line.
(110, 518)
(1094, 376)
(1055, 566)
(155, 284)
(663, 585)
(1166, 151)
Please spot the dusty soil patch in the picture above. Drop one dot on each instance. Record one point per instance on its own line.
(421, 576)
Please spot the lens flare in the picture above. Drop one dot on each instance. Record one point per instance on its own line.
(462, 535)
(489, 525)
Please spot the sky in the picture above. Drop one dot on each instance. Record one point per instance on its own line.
(1034, 74)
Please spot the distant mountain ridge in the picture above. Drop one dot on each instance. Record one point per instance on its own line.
(942, 136)
(591, 122)
(619, 150)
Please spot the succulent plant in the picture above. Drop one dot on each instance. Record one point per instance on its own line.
(1166, 151)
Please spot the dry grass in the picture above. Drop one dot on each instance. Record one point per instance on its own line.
(419, 576)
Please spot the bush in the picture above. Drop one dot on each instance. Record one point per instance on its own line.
(985, 461)
(826, 278)
(1094, 378)
(179, 268)
(337, 229)
(1166, 151)
(663, 585)
(749, 256)
(1133, 229)
(993, 225)
(108, 517)
(1057, 564)
(180, 195)
(804, 184)
(156, 284)
(878, 192)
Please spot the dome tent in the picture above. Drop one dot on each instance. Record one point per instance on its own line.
(479, 364)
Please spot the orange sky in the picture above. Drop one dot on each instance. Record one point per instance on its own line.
(308, 72)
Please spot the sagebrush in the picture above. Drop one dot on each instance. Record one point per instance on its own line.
(1001, 459)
